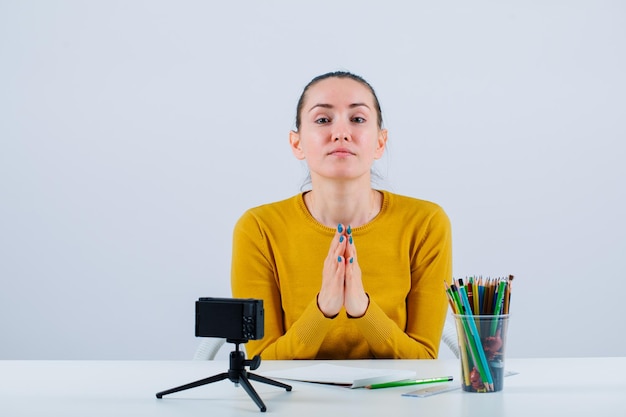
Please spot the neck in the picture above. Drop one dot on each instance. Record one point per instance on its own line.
(354, 206)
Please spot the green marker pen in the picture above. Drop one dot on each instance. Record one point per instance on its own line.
(410, 382)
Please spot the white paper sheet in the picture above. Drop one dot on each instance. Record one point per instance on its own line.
(349, 376)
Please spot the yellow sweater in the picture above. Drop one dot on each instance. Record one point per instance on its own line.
(405, 255)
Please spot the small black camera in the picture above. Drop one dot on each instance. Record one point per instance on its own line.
(237, 319)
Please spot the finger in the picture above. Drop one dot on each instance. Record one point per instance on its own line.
(352, 269)
(337, 250)
(350, 252)
(340, 241)
(331, 295)
(356, 300)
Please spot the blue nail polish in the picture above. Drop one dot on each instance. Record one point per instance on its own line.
(351, 260)
(339, 228)
(349, 229)
(350, 240)
(339, 259)
(340, 238)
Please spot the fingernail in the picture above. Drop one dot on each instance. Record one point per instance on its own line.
(339, 228)
(349, 229)
(340, 238)
(351, 260)
(339, 259)
(350, 240)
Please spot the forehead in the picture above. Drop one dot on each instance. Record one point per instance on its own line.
(338, 91)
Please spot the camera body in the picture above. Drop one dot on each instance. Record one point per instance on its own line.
(237, 319)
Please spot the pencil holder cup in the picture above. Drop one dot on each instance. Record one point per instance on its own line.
(482, 343)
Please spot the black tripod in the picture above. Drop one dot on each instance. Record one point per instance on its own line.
(236, 373)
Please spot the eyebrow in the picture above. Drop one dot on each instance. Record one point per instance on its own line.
(330, 106)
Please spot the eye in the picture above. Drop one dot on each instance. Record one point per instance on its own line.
(358, 119)
(322, 120)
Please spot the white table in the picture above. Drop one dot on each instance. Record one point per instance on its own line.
(544, 387)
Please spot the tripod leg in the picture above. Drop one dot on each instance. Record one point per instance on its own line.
(243, 380)
(268, 381)
(198, 383)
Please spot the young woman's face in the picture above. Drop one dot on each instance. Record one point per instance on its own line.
(339, 135)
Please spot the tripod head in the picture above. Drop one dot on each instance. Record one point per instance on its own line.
(237, 342)
(238, 360)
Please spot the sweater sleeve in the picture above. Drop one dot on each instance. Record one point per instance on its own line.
(426, 302)
(254, 275)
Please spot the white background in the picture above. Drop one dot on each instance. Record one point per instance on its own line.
(134, 133)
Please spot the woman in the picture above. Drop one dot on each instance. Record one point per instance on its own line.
(323, 298)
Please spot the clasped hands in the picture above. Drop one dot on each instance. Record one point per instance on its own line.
(341, 278)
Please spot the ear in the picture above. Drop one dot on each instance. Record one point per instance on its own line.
(381, 143)
(296, 145)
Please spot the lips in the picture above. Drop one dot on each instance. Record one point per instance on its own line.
(341, 152)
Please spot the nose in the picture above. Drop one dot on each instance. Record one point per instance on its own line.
(341, 132)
